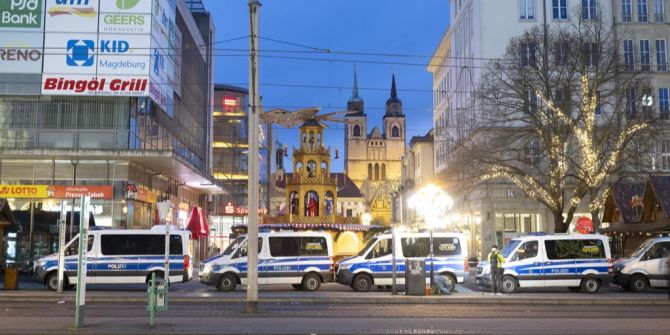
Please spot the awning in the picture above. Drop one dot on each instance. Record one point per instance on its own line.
(197, 224)
(317, 226)
(638, 228)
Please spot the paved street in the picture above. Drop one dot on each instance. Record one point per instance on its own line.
(336, 309)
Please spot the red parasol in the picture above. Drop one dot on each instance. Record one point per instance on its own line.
(197, 224)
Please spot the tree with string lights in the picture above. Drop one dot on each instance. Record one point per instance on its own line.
(563, 115)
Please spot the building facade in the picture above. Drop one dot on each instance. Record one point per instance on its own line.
(373, 160)
(417, 171)
(116, 111)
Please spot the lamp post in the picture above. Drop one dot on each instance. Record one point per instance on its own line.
(432, 203)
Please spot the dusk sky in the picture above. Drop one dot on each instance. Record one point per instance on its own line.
(297, 72)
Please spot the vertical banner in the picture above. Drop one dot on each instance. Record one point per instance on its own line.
(163, 36)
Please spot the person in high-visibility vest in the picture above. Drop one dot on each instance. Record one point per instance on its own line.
(496, 260)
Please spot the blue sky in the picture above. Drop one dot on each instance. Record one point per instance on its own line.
(295, 71)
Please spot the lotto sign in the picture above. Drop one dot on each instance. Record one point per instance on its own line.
(21, 13)
(24, 191)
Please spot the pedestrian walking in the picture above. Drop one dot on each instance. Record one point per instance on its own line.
(496, 260)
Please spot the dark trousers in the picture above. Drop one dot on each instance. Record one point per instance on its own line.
(496, 280)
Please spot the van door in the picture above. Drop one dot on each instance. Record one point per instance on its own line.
(559, 267)
(527, 263)
(71, 260)
(313, 256)
(653, 263)
(282, 265)
(239, 261)
(379, 261)
(117, 262)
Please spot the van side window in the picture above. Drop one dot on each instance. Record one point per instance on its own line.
(420, 246)
(382, 248)
(658, 250)
(313, 246)
(283, 246)
(527, 250)
(574, 249)
(141, 244)
(242, 251)
(73, 249)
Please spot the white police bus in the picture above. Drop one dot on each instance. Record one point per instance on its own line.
(372, 265)
(302, 259)
(120, 256)
(578, 262)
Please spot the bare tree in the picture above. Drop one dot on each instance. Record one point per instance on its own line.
(561, 115)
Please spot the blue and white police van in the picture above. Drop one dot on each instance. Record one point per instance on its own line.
(372, 265)
(120, 256)
(576, 261)
(645, 267)
(302, 259)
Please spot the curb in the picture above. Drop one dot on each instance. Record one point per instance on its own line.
(507, 300)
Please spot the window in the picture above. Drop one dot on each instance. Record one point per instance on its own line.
(559, 9)
(382, 248)
(395, 132)
(357, 131)
(242, 251)
(561, 53)
(591, 54)
(420, 246)
(376, 171)
(527, 250)
(661, 57)
(533, 152)
(574, 249)
(370, 171)
(665, 155)
(292, 246)
(659, 11)
(628, 55)
(631, 108)
(645, 58)
(73, 247)
(663, 103)
(589, 9)
(626, 11)
(531, 102)
(642, 11)
(527, 9)
(124, 244)
(658, 250)
(527, 50)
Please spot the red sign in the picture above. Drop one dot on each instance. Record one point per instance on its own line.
(92, 85)
(584, 225)
(69, 192)
(229, 104)
(230, 209)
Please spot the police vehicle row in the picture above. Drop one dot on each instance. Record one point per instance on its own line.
(579, 262)
(120, 256)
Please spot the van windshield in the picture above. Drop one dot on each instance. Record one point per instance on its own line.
(641, 248)
(510, 247)
(366, 247)
(233, 245)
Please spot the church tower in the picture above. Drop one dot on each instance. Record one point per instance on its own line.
(355, 133)
(394, 125)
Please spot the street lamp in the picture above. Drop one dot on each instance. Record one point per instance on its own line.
(432, 203)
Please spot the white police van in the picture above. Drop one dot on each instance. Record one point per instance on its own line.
(645, 267)
(121, 256)
(579, 262)
(372, 265)
(302, 259)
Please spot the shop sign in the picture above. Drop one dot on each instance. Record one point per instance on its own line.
(87, 85)
(23, 191)
(584, 225)
(69, 192)
(72, 15)
(21, 53)
(233, 210)
(129, 16)
(21, 13)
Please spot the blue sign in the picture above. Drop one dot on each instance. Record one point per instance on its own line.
(114, 46)
(80, 52)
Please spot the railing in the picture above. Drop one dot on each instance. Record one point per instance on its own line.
(299, 179)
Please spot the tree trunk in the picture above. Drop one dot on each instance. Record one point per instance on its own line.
(559, 223)
(595, 218)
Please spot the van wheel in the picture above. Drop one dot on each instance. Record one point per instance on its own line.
(451, 281)
(311, 282)
(362, 283)
(297, 287)
(638, 283)
(227, 283)
(52, 281)
(509, 284)
(590, 285)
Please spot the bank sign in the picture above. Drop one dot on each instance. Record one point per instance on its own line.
(21, 13)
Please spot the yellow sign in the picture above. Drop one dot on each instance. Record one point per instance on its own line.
(24, 191)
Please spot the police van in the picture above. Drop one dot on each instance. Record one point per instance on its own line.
(372, 265)
(579, 262)
(120, 256)
(646, 266)
(302, 259)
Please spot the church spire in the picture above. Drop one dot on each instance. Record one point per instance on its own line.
(355, 105)
(355, 90)
(394, 93)
(393, 104)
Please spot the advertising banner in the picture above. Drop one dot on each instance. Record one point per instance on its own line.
(21, 14)
(69, 192)
(163, 35)
(123, 54)
(23, 191)
(91, 85)
(80, 16)
(125, 17)
(21, 52)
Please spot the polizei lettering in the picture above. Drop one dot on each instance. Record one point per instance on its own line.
(95, 85)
